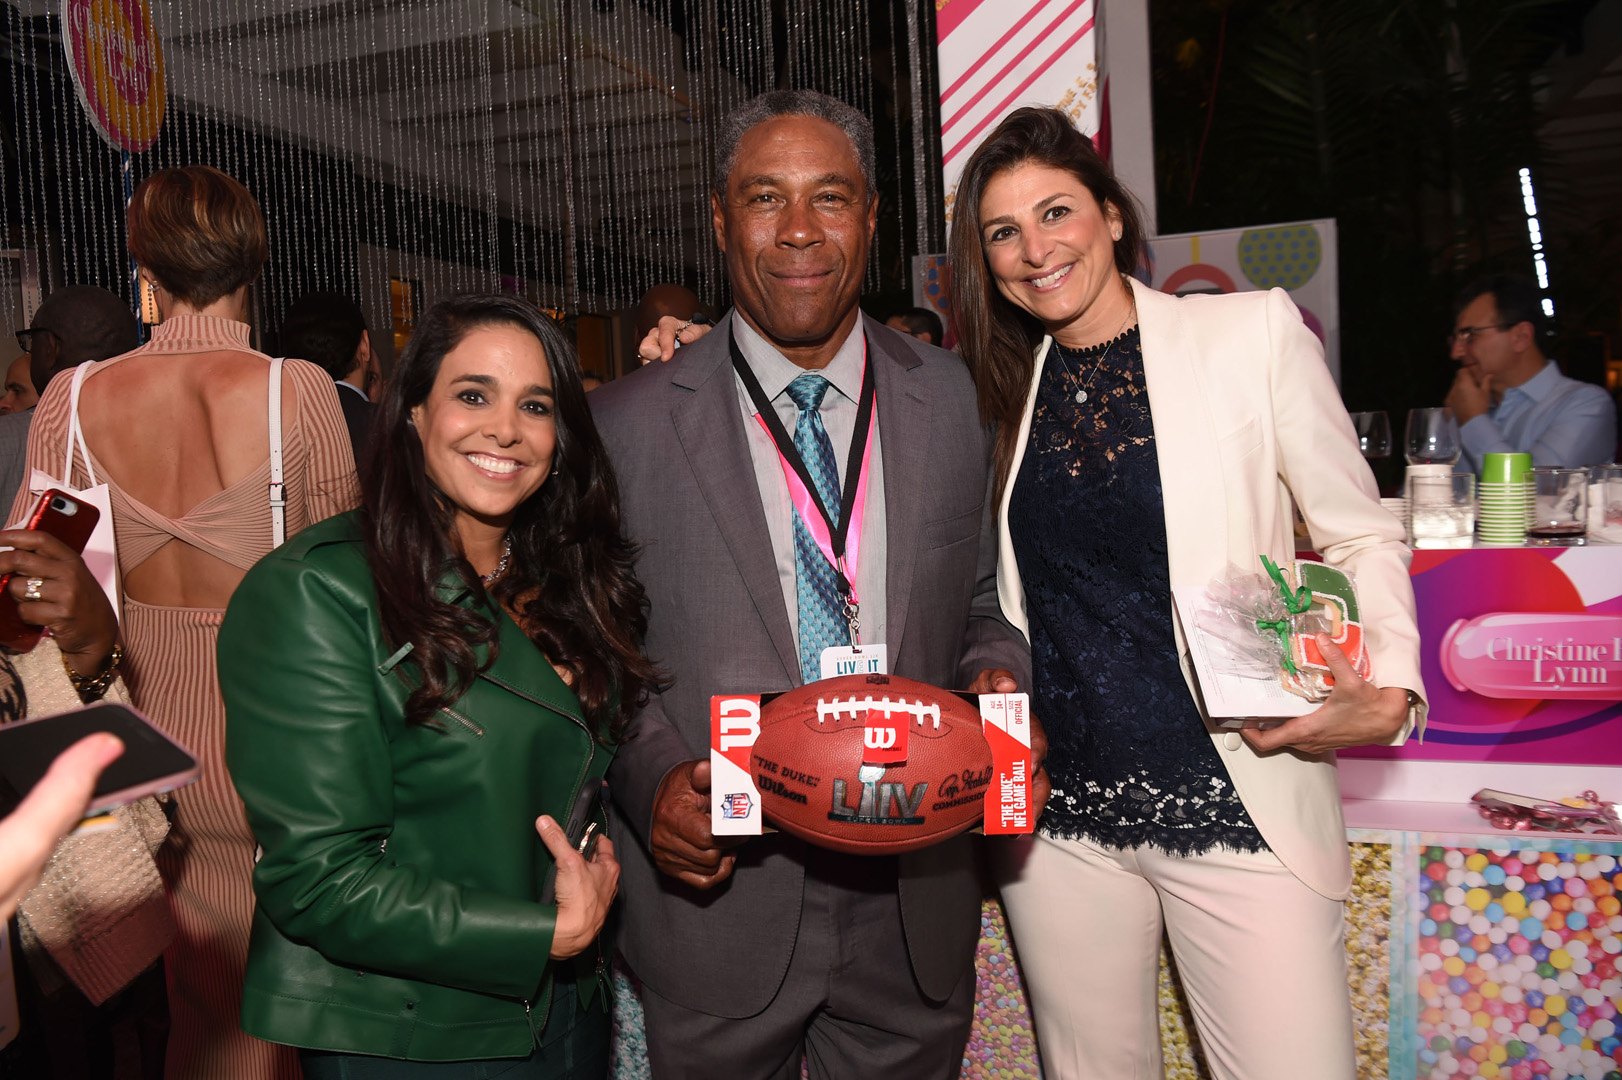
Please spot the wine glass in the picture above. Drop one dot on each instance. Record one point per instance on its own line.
(1373, 433)
(1433, 437)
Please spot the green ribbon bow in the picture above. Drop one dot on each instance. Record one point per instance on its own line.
(1296, 602)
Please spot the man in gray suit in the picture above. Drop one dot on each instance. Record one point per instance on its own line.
(751, 955)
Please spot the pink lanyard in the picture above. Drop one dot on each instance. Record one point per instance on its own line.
(806, 507)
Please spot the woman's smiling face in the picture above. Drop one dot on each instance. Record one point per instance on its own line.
(1049, 244)
(489, 426)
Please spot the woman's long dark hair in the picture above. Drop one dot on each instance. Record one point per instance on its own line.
(999, 339)
(570, 579)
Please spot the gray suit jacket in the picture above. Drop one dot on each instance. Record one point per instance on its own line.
(718, 625)
(13, 456)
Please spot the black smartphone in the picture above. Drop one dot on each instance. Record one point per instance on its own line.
(70, 521)
(583, 828)
(151, 762)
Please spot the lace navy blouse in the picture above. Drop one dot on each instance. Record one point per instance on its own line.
(1131, 761)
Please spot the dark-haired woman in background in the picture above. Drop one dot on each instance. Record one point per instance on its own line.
(414, 691)
(179, 430)
(1146, 440)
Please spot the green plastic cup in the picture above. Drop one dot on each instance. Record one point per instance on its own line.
(1505, 468)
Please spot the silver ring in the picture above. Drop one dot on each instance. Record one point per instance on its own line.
(32, 587)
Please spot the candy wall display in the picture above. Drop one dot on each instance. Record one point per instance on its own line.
(1002, 1044)
(1514, 962)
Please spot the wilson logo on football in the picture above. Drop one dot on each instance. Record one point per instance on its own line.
(884, 742)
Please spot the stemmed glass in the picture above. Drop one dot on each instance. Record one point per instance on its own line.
(1373, 434)
(1433, 437)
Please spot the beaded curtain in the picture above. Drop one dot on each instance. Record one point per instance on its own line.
(557, 148)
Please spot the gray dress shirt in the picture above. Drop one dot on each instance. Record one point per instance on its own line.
(844, 375)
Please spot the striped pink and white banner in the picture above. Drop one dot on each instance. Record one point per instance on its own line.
(996, 55)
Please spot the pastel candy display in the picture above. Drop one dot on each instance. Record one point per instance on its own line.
(1518, 955)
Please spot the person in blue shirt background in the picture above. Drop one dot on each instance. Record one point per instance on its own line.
(1508, 396)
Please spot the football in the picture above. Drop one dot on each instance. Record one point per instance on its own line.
(871, 764)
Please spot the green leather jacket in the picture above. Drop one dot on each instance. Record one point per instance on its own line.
(398, 909)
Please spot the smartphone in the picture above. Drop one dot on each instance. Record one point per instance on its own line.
(151, 763)
(70, 521)
(582, 829)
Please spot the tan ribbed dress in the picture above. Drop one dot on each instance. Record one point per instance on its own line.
(207, 862)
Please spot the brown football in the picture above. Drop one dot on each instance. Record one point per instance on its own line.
(871, 764)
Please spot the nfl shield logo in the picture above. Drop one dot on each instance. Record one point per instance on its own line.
(736, 805)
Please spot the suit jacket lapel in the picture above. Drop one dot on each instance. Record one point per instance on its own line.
(710, 427)
(1191, 481)
(904, 430)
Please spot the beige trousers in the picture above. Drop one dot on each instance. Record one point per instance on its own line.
(1261, 956)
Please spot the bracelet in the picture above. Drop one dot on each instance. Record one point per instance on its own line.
(92, 688)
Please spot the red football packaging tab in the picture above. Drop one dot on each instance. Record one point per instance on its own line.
(1006, 721)
(734, 798)
(735, 805)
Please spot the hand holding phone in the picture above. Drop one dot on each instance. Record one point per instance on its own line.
(45, 584)
(150, 764)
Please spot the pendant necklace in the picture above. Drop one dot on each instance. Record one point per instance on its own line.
(1081, 395)
(501, 564)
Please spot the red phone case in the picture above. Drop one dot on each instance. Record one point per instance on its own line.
(71, 521)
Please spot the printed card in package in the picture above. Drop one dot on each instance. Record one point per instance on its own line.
(877, 769)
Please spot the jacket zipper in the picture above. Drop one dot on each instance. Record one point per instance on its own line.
(460, 719)
(574, 791)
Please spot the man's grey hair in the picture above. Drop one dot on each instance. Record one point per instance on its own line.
(857, 128)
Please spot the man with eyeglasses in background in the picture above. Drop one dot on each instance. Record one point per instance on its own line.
(75, 325)
(1508, 396)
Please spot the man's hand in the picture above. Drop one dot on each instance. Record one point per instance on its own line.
(671, 333)
(1356, 713)
(1469, 397)
(1001, 681)
(682, 844)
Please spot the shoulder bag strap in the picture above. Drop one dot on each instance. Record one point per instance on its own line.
(278, 491)
(75, 432)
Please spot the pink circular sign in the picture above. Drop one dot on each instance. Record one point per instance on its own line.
(116, 58)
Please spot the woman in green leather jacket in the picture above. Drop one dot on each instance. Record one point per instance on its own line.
(418, 695)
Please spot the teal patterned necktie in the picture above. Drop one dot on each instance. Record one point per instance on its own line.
(816, 583)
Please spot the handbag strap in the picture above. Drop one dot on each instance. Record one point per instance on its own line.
(278, 490)
(75, 432)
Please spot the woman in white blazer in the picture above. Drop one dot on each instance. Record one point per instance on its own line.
(1146, 440)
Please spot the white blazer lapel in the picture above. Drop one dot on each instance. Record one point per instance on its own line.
(1010, 589)
(1192, 484)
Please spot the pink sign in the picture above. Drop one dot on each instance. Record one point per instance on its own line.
(116, 59)
(1522, 656)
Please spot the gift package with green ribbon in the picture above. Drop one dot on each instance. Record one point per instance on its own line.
(1266, 625)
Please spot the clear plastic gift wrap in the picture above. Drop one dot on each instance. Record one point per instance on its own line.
(1265, 625)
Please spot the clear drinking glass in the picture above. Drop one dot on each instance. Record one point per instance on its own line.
(1442, 510)
(1559, 507)
(1373, 433)
(1609, 478)
(1433, 437)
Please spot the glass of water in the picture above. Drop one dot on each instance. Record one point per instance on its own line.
(1442, 510)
